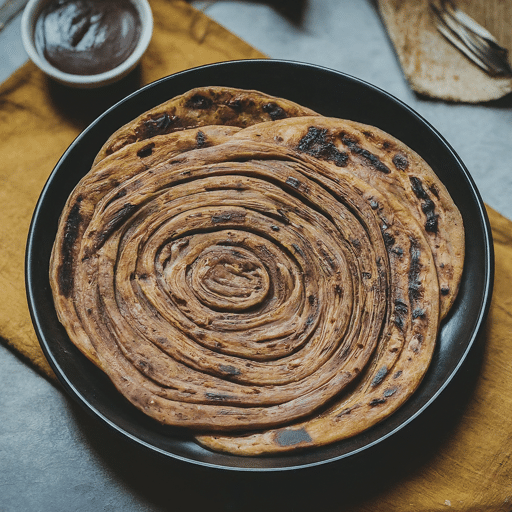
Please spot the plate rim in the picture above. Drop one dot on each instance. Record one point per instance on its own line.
(78, 395)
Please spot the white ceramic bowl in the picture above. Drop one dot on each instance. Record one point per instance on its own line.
(28, 22)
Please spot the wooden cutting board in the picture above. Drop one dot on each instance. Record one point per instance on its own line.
(432, 65)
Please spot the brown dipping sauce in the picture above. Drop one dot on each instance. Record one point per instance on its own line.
(87, 37)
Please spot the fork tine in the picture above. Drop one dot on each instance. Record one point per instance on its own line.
(482, 50)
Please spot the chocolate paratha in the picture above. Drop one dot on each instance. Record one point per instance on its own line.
(258, 286)
(203, 106)
(392, 168)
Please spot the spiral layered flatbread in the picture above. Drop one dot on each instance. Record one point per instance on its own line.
(270, 285)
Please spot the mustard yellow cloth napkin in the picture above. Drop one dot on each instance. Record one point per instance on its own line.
(471, 471)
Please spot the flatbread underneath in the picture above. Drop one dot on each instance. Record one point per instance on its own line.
(270, 285)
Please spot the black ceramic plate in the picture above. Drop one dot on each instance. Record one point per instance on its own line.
(329, 93)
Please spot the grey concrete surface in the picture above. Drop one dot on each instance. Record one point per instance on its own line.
(12, 53)
(53, 456)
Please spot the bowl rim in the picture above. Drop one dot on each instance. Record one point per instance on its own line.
(28, 21)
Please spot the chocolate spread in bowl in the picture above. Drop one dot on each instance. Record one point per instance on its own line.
(87, 37)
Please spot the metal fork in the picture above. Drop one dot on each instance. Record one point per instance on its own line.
(477, 43)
